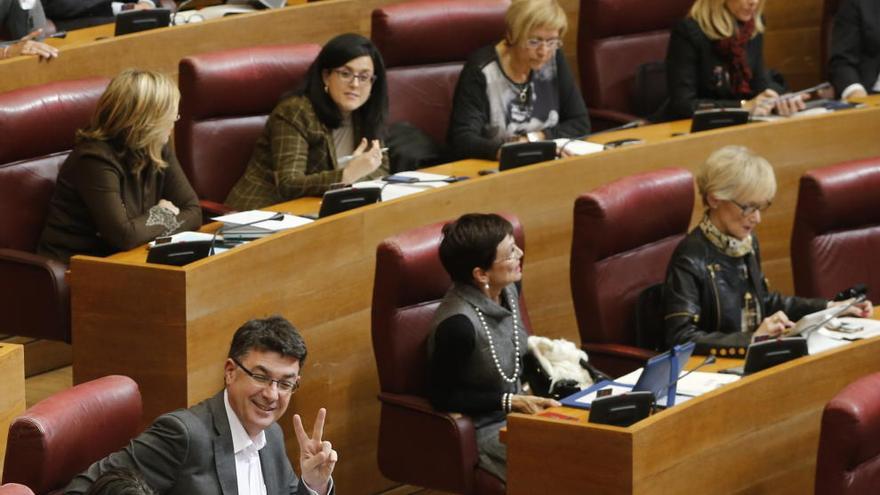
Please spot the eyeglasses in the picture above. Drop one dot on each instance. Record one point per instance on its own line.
(551, 44)
(284, 386)
(751, 208)
(347, 76)
(515, 254)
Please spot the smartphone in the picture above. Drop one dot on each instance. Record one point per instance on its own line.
(400, 179)
(163, 240)
(605, 392)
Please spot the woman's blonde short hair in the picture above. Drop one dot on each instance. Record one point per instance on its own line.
(736, 173)
(138, 110)
(717, 22)
(523, 16)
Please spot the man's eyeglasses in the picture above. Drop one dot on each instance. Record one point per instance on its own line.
(347, 76)
(284, 386)
(551, 44)
(751, 208)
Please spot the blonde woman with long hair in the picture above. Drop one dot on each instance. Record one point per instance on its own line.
(716, 59)
(122, 186)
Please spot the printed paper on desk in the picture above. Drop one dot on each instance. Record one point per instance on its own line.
(394, 191)
(578, 147)
(247, 217)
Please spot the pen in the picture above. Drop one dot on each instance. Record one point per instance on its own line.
(347, 158)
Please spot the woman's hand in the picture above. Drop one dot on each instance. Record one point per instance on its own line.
(27, 46)
(531, 404)
(365, 161)
(168, 205)
(768, 100)
(863, 309)
(773, 326)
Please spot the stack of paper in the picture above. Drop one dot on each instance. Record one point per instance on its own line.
(254, 224)
(391, 191)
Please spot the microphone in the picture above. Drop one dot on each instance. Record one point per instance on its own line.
(228, 228)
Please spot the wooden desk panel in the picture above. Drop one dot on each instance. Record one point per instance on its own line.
(758, 435)
(169, 327)
(12, 398)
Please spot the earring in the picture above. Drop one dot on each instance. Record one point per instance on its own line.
(486, 286)
(326, 89)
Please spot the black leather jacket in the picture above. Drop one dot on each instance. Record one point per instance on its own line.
(704, 293)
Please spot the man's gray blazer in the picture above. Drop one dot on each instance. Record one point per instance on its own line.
(189, 451)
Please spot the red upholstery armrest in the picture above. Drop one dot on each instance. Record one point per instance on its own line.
(34, 295)
(444, 442)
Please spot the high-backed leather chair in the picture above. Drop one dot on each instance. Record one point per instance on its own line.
(38, 125)
(615, 37)
(424, 44)
(225, 99)
(848, 462)
(61, 436)
(624, 235)
(419, 445)
(836, 235)
(15, 489)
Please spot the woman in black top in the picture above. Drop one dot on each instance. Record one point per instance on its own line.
(475, 350)
(715, 293)
(715, 59)
(519, 89)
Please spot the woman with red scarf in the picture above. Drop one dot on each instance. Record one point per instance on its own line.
(716, 60)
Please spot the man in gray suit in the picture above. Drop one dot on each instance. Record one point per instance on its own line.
(231, 443)
(23, 20)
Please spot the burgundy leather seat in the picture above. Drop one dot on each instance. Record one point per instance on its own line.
(419, 445)
(424, 45)
(848, 462)
(225, 99)
(61, 436)
(615, 37)
(836, 235)
(15, 489)
(38, 125)
(624, 235)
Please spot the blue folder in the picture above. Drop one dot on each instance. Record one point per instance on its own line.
(659, 377)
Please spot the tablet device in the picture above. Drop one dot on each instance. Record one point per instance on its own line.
(716, 118)
(339, 200)
(515, 155)
(179, 253)
(763, 355)
(133, 21)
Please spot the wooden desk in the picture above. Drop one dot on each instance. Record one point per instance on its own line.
(12, 400)
(169, 328)
(758, 435)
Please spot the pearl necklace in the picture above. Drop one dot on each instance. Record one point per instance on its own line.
(492, 344)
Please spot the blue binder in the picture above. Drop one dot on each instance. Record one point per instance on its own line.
(659, 377)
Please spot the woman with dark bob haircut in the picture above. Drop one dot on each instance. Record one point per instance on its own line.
(326, 132)
(478, 339)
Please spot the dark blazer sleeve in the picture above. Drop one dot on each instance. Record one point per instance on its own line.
(574, 122)
(69, 9)
(846, 46)
(470, 116)
(98, 183)
(178, 190)
(157, 454)
(454, 342)
(682, 71)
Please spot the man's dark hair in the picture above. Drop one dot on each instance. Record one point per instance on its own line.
(470, 242)
(274, 334)
(120, 481)
(369, 119)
